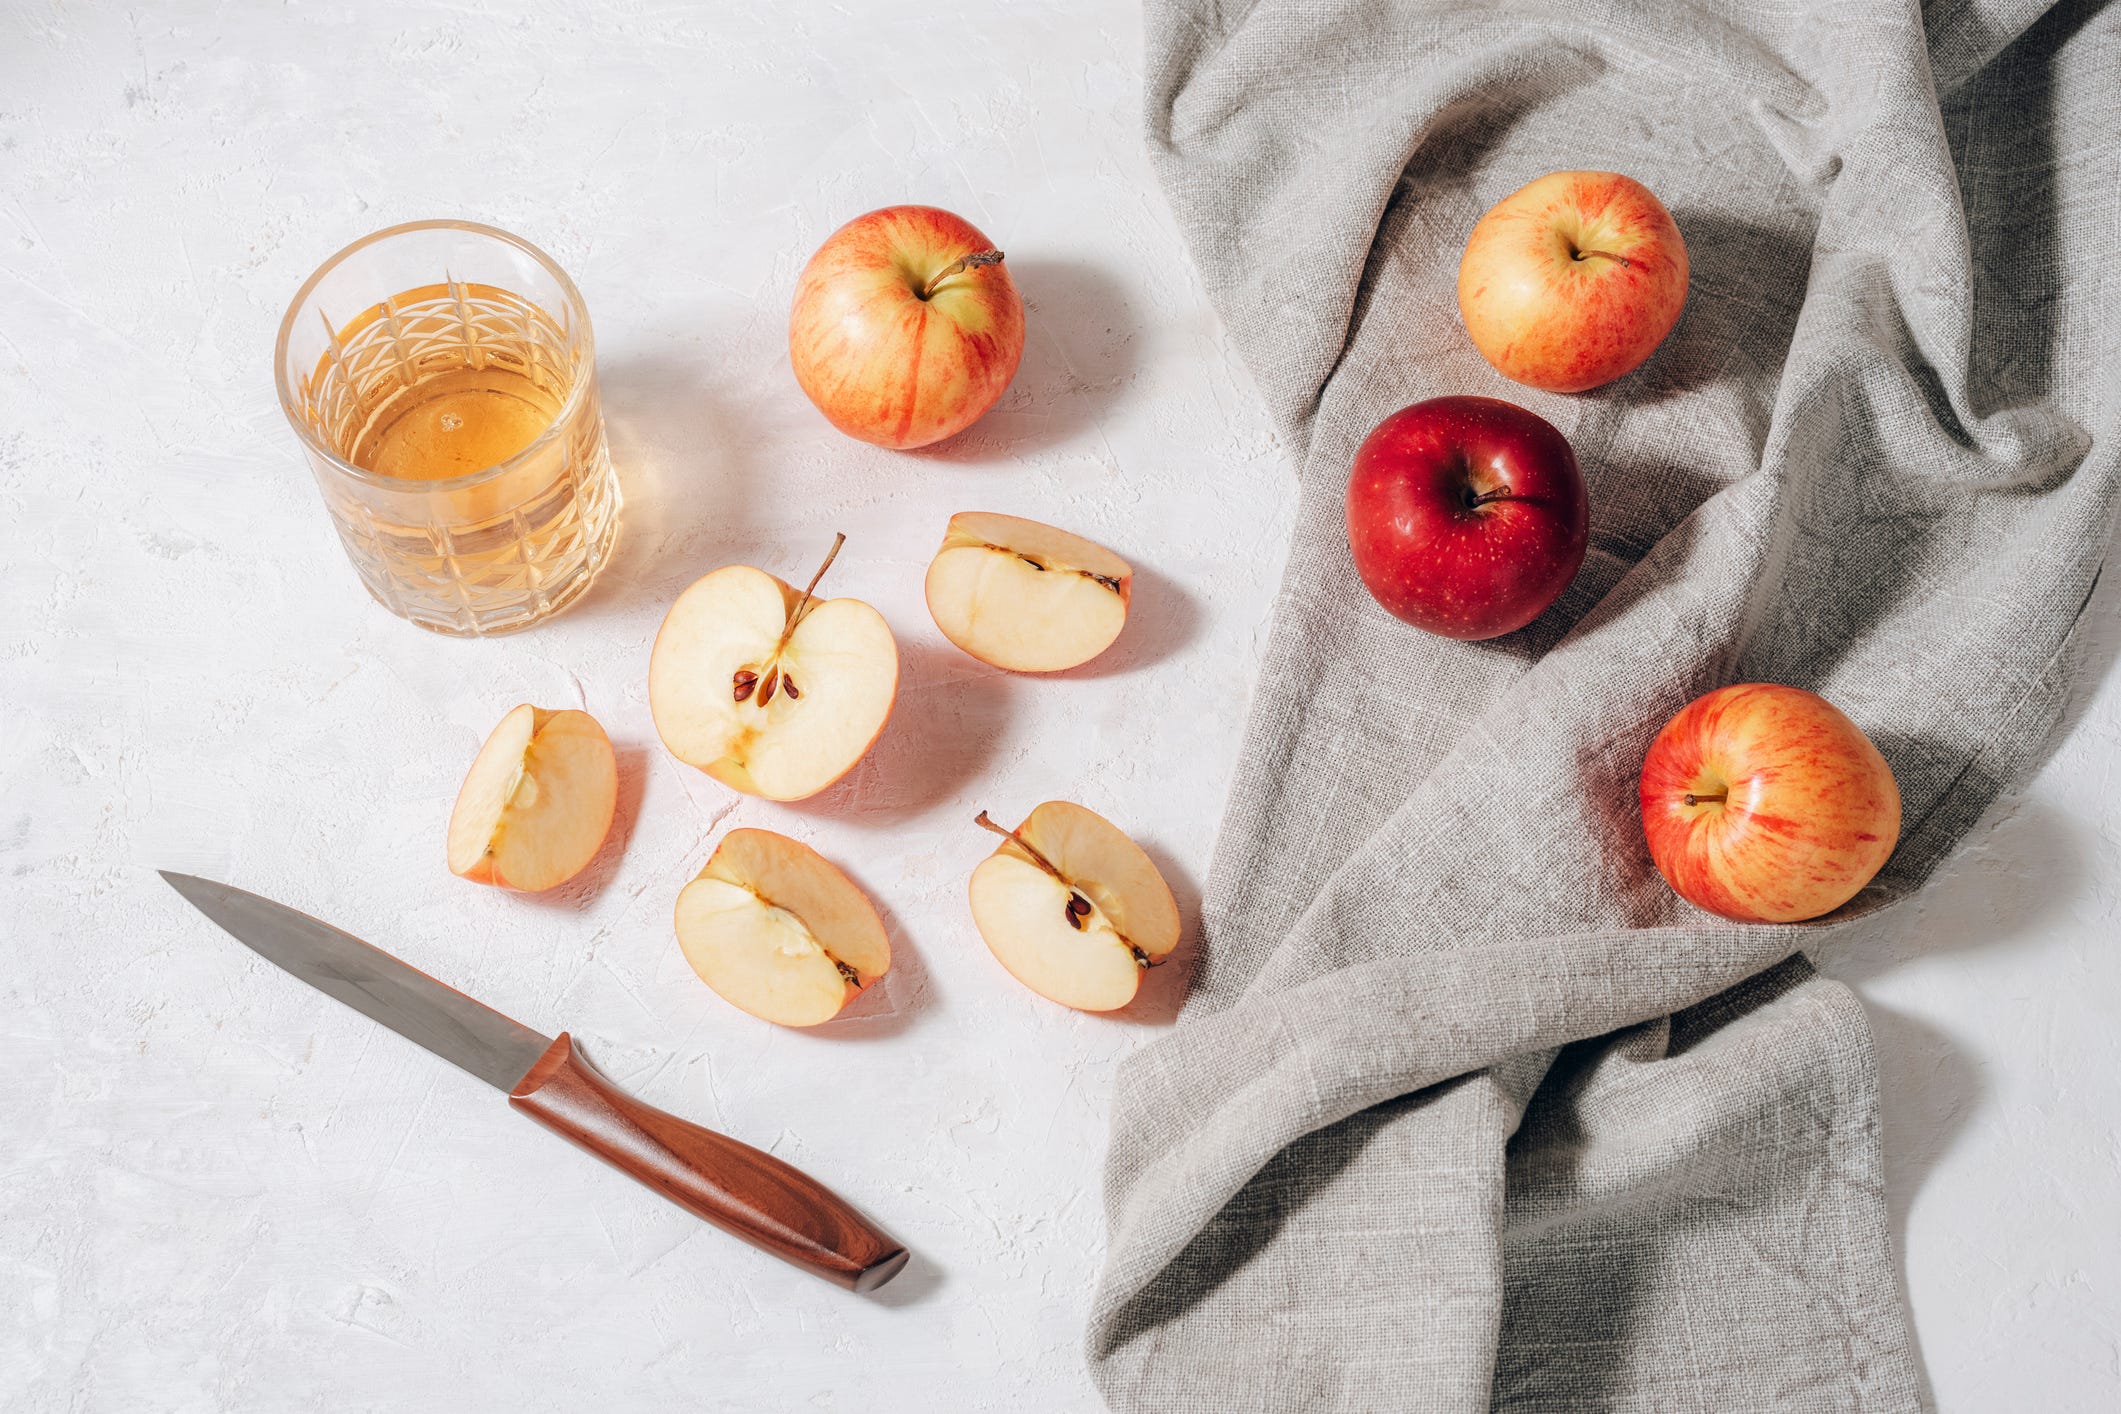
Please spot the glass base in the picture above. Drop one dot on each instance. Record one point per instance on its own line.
(480, 595)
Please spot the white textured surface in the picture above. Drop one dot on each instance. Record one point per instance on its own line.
(219, 1191)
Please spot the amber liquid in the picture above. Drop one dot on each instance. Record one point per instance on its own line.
(454, 422)
(449, 381)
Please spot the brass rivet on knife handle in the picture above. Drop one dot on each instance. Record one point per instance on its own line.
(772, 1205)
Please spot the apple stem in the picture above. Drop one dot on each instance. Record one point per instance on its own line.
(1500, 493)
(958, 267)
(802, 605)
(1587, 254)
(1025, 845)
(747, 680)
(1705, 799)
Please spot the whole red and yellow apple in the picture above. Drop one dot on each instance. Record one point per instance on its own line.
(1467, 516)
(1766, 804)
(1572, 280)
(906, 326)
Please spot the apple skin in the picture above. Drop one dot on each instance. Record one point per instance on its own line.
(885, 365)
(1812, 812)
(1432, 556)
(1548, 314)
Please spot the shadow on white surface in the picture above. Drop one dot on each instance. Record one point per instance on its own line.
(582, 890)
(1164, 986)
(2011, 884)
(1928, 1087)
(683, 455)
(916, 1284)
(1079, 358)
(948, 726)
(1162, 620)
(886, 1008)
(2020, 869)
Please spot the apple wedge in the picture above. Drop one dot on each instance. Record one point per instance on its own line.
(1072, 907)
(1025, 596)
(537, 802)
(778, 931)
(771, 692)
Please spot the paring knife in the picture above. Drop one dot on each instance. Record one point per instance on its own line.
(744, 1192)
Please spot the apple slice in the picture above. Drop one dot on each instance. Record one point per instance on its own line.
(1072, 907)
(778, 931)
(1025, 596)
(771, 692)
(537, 802)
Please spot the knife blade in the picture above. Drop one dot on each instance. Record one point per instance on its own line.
(746, 1192)
(468, 1034)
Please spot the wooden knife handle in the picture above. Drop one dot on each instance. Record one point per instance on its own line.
(748, 1194)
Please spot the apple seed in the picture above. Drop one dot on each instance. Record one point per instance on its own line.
(745, 682)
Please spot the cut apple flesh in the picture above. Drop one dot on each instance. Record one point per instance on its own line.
(1025, 596)
(537, 802)
(763, 708)
(1073, 908)
(774, 928)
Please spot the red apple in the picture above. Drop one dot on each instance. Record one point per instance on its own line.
(906, 326)
(1573, 280)
(1467, 516)
(1766, 804)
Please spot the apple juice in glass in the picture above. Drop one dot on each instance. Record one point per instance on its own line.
(441, 376)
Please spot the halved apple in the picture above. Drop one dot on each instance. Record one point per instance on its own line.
(1025, 596)
(778, 931)
(1072, 907)
(771, 692)
(537, 802)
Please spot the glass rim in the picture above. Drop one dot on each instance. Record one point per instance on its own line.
(579, 390)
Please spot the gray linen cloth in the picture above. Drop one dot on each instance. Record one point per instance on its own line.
(1467, 1109)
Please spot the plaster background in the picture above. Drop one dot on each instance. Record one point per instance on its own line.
(220, 1191)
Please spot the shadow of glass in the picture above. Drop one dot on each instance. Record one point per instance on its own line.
(684, 459)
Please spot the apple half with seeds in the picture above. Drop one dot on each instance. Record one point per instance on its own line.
(772, 692)
(777, 930)
(1026, 596)
(537, 802)
(1072, 907)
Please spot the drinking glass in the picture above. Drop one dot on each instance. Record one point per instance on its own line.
(441, 376)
